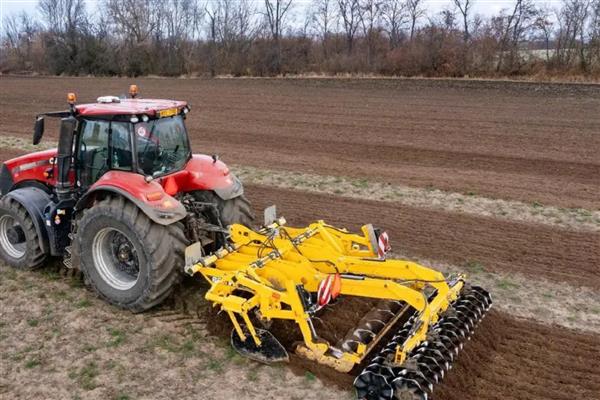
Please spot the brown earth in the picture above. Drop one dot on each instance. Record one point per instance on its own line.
(57, 334)
(7, 154)
(511, 358)
(504, 246)
(519, 141)
(524, 141)
(498, 245)
(507, 358)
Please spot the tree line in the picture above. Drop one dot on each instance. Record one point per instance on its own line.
(279, 37)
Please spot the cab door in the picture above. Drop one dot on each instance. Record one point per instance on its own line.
(103, 146)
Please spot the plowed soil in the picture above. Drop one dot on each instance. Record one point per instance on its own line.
(7, 154)
(522, 141)
(516, 359)
(529, 142)
(507, 358)
(533, 250)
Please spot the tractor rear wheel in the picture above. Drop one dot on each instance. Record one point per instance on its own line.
(128, 259)
(233, 211)
(19, 240)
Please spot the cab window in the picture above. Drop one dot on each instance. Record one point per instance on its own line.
(121, 156)
(162, 145)
(94, 156)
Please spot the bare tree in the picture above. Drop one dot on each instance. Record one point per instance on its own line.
(515, 26)
(135, 20)
(393, 13)
(323, 20)
(275, 13)
(63, 15)
(67, 24)
(464, 6)
(231, 29)
(180, 21)
(350, 15)
(415, 12)
(231, 36)
(211, 14)
(323, 17)
(594, 41)
(570, 43)
(543, 23)
(448, 19)
(20, 31)
(369, 19)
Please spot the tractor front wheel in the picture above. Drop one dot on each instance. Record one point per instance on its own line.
(128, 259)
(19, 240)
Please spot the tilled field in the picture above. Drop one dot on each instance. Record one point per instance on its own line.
(533, 250)
(529, 142)
(516, 359)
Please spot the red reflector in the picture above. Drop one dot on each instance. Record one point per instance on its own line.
(329, 289)
(336, 288)
(383, 245)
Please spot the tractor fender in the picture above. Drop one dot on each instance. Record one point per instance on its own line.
(35, 201)
(6, 180)
(149, 197)
(236, 189)
(204, 172)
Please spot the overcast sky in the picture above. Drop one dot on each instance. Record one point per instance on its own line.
(485, 7)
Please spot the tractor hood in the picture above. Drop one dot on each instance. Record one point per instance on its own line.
(29, 167)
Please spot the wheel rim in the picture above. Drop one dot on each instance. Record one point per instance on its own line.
(9, 230)
(115, 259)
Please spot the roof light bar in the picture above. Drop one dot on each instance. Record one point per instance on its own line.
(108, 99)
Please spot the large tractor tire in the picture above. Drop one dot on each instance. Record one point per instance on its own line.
(19, 240)
(233, 211)
(129, 260)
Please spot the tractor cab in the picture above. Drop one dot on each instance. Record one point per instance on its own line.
(152, 147)
(143, 136)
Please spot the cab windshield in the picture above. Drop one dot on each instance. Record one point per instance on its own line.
(162, 145)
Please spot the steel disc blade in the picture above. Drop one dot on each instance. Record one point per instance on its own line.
(373, 386)
(408, 389)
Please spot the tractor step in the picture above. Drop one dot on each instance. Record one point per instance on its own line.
(67, 260)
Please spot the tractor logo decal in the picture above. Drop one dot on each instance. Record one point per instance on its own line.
(142, 131)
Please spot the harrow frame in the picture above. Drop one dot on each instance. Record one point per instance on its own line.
(274, 273)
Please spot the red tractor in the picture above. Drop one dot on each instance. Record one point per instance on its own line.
(120, 198)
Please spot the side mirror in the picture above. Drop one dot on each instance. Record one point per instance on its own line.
(38, 130)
